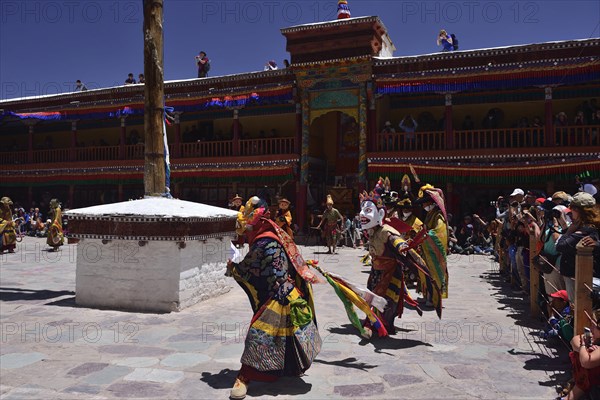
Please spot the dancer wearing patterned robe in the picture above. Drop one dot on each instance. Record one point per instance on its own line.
(283, 339)
(435, 247)
(390, 255)
(55, 231)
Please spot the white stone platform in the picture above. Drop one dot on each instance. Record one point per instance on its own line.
(152, 254)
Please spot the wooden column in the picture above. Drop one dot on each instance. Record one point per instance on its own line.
(177, 150)
(304, 147)
(30, 142)
(448, 126)
(584, 275)
(362, 139)
(154, 157)
(372, 124)
(236, 132)
(550, 137)
(73, 149)
(298, 135)
(120, 192)
(123, 139)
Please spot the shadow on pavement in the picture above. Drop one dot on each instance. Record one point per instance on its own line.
(350, 362)
(16, 294)
(390, 343)
(551, 356)
(285, 386)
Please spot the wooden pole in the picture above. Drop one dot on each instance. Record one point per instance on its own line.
(154, 164)
(534, 278)
(584, 275)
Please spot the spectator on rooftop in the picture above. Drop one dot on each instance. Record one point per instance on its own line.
(130, 79)
(79, 86)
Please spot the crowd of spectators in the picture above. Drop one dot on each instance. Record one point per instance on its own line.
(32, 223)
(557, 223)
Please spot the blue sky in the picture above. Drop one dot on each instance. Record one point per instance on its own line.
(46, 45)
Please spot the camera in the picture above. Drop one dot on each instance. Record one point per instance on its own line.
(587, 336)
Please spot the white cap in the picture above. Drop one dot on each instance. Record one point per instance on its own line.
(517, 192)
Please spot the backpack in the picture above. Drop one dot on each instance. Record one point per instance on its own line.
(207, 66)
(454, 41)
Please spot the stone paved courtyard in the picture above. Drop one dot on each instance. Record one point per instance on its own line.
(483, 348)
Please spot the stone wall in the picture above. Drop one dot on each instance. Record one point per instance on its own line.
(152, 276)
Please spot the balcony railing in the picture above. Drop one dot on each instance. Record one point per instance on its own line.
(499, 138)
(583, 135)
(506, 138)
(51, 155)
(13, 157)
(98, 153)
(254, 147)
(222, 148)
(213, 149)
(416, 141)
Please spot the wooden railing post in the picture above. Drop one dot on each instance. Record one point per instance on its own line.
(534, 277)
(584, 272)
(448, 126)
(549, 135)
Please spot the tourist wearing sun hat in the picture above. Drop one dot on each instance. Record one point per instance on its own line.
(560, 197)
(586, 223)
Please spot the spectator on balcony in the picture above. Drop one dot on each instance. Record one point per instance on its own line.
(386, 140)
(468, 124)
(491, 120)
(130, 79)
(560, 123)
(595, 121)
(580, 119)
(141, 78)
(587, 110)
(79, 86)
(48, 143)
(134, 137)
(409, 126)
(578, 136)
(286, 64)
